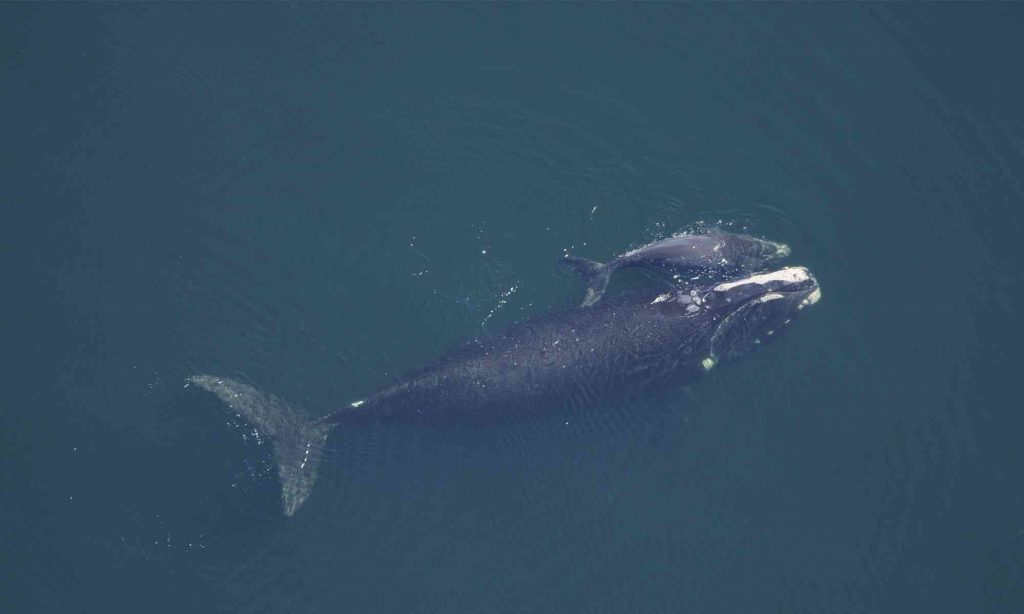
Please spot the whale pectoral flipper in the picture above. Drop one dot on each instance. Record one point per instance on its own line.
(296, 441)
(595, 274)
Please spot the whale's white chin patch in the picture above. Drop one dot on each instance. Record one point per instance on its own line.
(789, 275)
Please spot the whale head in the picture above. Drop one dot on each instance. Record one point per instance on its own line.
(753, 310)
(752, 254)
(771, 251)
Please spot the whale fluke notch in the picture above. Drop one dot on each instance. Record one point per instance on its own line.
(296, 441)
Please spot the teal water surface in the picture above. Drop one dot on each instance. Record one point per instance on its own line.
(316, 198)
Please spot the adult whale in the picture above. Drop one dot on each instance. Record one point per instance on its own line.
(631, 344)
(714, 254)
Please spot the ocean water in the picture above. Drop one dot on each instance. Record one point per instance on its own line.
(316, 198)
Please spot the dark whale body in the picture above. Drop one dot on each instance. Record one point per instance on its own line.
(631, 344)
(712, 254)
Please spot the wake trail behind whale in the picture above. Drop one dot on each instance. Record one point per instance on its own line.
(297, 442)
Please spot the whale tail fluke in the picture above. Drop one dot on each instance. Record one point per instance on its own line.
(595, 274)
(297, 442)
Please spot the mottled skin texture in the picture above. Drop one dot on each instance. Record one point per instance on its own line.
(621, 345)
(631, 344)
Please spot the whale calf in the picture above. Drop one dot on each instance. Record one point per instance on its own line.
(715, 254)
(636, 343)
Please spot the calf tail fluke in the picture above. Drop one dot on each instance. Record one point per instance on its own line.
(595, 274)
(296, 441)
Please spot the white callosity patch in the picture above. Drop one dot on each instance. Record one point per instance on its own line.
(781, 249)
(788, 275)
(771, 296)
(708, 363)
(358, 403)
(811, 299)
